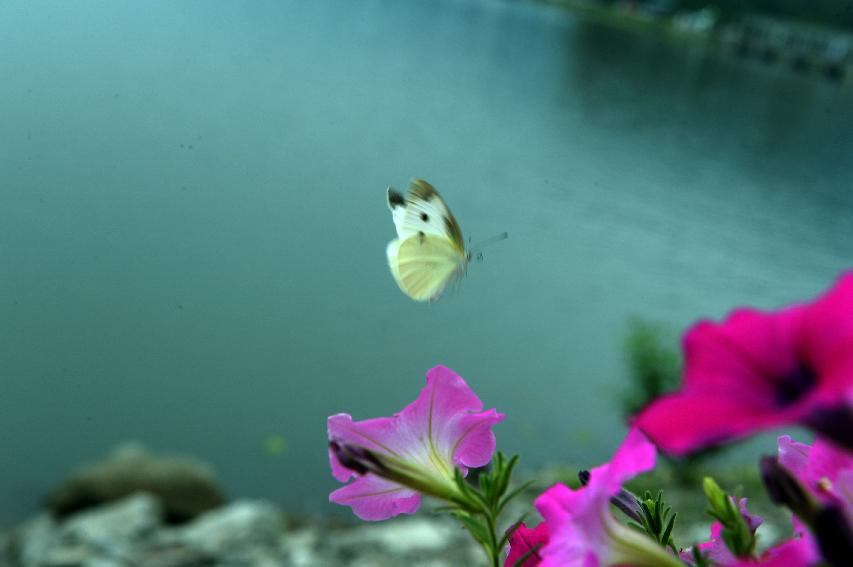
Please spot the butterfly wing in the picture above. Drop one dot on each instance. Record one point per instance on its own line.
(423, 211)
(393, 261)
(397, 204)
(429, 252)
(423, 265)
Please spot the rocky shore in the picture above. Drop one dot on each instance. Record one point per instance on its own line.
(131, 532)
(136, 508)
(139, 509)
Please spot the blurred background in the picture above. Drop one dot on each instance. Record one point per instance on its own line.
(193, 220)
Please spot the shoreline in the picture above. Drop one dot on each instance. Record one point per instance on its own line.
(799, 48)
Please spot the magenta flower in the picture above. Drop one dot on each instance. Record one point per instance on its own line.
(823, 468)
(799, 551)
(584, 533)
(761, 370)
(525, 539)
(415, 451)
(715, 548)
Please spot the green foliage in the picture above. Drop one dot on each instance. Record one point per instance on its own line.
(654, 363)
(484, 502)
(835, 13)
(699, 558)
(658, 520)
(736, 533)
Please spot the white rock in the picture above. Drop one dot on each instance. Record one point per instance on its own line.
(299, 548)
(243, 524)
(112, 528)
(34, 539)
(404, 536)
(102, 562)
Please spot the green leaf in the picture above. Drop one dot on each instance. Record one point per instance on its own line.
(476, 528)
(736, 534)
(667, 532)
(637, 526)
(485, 484)
(699, 558)
(506, 499)
(658, 520)
(505, 476)
(520, 561)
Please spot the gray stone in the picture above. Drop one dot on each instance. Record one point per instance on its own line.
(416, 542)
(130, 533)
(242, 524)
(31, 542)
(115, 526)
(299, 547)
(404, 535)
(185, 486)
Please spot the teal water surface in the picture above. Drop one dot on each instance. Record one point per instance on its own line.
(193, 225)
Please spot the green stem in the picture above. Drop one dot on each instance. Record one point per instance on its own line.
(495, 553)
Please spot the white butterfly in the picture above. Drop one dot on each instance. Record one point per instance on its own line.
(429, 252)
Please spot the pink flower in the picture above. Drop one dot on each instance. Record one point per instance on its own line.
(823, 468)
(799, 551)
(522, 540)
(715, 548)
(416, 451)
(791, 553)
(761, 370)
(584, 533)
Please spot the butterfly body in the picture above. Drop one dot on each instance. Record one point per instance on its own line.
(429, 251)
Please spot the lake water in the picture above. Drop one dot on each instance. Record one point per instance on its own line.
(193, 221)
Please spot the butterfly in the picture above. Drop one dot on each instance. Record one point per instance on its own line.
(429, 251)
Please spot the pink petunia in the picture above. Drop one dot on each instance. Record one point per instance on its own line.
(715, 548)
(584, 533)
(759, 370)
(416, 451)
(799, 551)
(525, 539)
(823, 468)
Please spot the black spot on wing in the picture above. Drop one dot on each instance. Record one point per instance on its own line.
(424, 217)
(421, 190)
(395, 199)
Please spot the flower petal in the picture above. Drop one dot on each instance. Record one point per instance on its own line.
(375, 434)
(742, 375)
(686, 421)
(827, 337)
(574, 517)
(471, 438)
(827, 461)
(744, 352)
(824, 468)
(579, 520)
(522, 540)
(715, 548)
(447, 419)
(796, 552)
(793, 456)
(635, 455)
(374, 498)
(443, 428)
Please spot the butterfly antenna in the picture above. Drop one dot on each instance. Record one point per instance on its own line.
(477, 249)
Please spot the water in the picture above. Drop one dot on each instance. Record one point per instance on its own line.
(193, 224)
